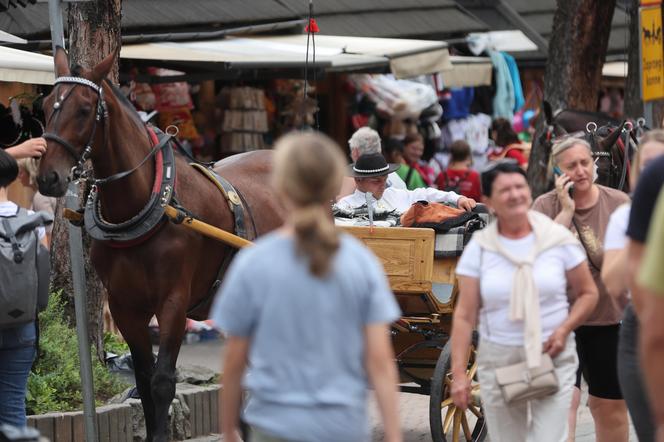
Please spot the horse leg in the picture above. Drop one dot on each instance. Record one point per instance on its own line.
(135, 331)
(172, 322)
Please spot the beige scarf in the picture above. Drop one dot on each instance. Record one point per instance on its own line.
(524, 298)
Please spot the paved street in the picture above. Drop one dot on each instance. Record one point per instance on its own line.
(414, 408)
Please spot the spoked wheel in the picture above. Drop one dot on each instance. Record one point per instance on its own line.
(449, 423)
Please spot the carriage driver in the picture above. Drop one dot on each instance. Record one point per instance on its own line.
(370, 172)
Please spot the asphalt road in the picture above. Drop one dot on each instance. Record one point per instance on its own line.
(414, 408)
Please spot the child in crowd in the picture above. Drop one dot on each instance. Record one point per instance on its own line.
(459, 177)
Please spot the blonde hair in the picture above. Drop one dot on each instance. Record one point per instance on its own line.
(31, 166)
(561, 146)
(652, 136)
(308, 170)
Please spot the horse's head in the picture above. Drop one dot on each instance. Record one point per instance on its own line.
(74, 113)
(609, 152)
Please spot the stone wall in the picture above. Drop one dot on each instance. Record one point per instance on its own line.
(193, 413)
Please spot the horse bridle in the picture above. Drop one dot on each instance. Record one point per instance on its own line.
(102, 113)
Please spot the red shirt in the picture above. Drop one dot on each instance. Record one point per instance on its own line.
(512, 151)
(465, 182)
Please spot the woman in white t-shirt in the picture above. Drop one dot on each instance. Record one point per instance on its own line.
(521, 257)
(616, 279)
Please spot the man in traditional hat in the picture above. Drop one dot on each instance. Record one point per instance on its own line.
(365, 141)
(370, 172)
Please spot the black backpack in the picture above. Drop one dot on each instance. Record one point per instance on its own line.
(24, 268)
(454, 184)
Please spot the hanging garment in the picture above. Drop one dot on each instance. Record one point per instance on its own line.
(519, 100)
(503, 101)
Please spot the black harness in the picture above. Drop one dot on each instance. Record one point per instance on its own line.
(140, 226)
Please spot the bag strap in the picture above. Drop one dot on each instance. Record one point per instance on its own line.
(18, 254)
(585, 246)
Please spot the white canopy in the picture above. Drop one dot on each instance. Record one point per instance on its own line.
(10, 38)
(405, 58)
(25, 67)
(468, 71)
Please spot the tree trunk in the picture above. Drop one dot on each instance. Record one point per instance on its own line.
(94, 32)
(579, 40)
(633, 102)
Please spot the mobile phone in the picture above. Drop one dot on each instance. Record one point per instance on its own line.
(558, 172)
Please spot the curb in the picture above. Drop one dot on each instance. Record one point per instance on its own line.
(116, 422)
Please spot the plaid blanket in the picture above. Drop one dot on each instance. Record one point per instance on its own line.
(451, 243)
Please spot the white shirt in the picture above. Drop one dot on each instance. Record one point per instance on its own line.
(394, 180)
(399, 199)
(615, 237)
(8, 208)
(496, 275)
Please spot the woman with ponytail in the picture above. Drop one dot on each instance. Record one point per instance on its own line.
(307, 309)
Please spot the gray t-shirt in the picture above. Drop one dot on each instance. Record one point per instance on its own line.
(307, 380)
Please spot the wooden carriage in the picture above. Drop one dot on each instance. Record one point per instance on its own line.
(426, 289)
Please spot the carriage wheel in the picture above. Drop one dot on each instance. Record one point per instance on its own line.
(447, 422)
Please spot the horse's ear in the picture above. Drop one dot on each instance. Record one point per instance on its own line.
(548, 112)
(609, 141)
(102, 69)
(61, 61)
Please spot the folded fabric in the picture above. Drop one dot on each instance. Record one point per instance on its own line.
(426, 212)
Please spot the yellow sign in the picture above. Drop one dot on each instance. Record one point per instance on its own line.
(652, 54)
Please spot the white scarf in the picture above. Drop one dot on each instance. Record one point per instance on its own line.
(524, 298)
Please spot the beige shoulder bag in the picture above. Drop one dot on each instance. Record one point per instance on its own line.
(518, 383)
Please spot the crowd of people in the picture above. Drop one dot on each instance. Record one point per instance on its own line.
(569, 285)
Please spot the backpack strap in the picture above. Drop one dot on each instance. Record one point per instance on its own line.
(18, 255)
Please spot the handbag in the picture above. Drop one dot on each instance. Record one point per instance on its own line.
(518, 383)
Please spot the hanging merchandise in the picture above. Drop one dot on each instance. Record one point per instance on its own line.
(174, 103)
(244, 119)
(456, 102)
(296, 112)
(519, 101)
(142, 95)
(399, 98)
(503, 101)
(22, 120)
(170, 96)
(523, 117)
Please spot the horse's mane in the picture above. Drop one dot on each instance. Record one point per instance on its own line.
(77, 71)
(124, 101)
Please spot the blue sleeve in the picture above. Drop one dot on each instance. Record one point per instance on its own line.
(233, 310)
(381, 305)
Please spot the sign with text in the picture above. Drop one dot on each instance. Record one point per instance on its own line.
(652, 54)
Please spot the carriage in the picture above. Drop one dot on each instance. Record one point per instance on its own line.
(423, 279)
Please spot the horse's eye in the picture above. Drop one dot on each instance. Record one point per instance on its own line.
(83, 112)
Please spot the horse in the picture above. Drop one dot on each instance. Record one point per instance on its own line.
(607, 137)
(169, 270)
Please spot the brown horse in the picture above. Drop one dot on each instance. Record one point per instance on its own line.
(169, 271)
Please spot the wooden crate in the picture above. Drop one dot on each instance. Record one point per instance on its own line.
(406, 255)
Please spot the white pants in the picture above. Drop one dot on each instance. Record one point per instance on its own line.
(511, 423)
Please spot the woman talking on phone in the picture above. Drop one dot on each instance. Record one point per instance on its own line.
(586, 212)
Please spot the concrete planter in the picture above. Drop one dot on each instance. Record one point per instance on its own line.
(194, 413)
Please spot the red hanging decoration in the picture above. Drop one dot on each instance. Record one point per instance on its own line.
(312, 26)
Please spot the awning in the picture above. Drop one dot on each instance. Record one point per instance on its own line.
(403, 57)
(9, 38)
(25, 67)
(616, 69)
(468, 71)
